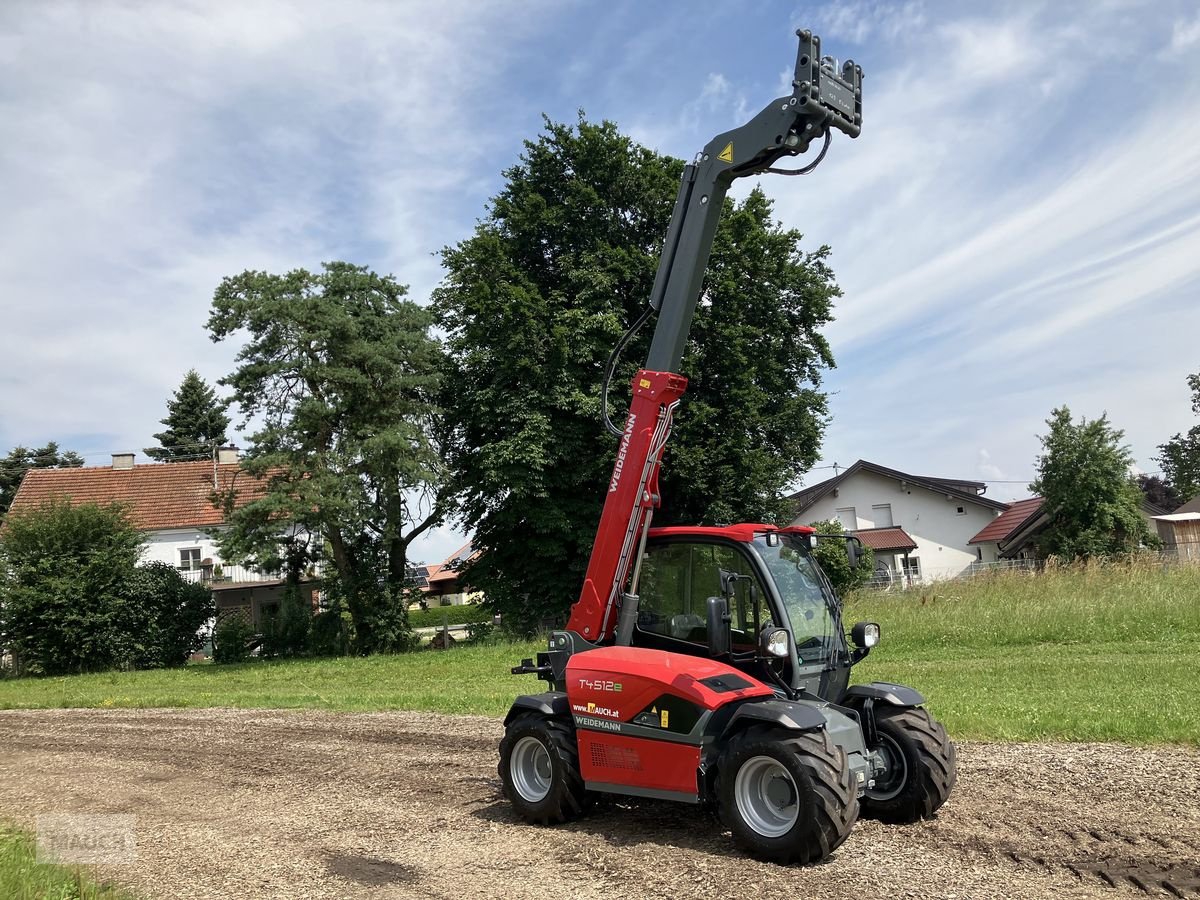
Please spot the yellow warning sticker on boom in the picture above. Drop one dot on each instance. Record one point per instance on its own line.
(726, 155)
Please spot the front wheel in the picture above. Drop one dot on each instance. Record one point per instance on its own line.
(539, 768)
(787, 797)
(922, 766)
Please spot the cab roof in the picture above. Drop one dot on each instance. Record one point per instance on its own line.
(743, 532)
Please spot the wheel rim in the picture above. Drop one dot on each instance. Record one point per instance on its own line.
(766, 796)
(531, 769)
(896, 774)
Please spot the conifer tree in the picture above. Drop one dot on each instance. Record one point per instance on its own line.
(196, 422)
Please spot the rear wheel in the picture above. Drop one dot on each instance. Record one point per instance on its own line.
(539, 768)
(922, 766)
(787, 797)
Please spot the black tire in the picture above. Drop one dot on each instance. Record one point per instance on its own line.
(564, 797)
(925, 766)
(825, 793)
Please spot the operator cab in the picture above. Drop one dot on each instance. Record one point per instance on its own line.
(768, 578)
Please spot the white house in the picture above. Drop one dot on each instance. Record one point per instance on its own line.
(920, 527)
(173, 505)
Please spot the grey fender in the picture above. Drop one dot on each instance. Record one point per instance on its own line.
(882, 692)
(783, 713)
(551, 703)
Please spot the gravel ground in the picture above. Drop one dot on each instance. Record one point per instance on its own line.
(237, 803)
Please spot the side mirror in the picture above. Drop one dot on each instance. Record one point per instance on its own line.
(853, 550)
(719, 641)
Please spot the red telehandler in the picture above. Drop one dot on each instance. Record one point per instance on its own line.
(710, 665)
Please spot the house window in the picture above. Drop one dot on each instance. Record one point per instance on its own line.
(961, 511)
(912, 567)
(881, 515)
(979, 553)
(189, 559)
(848, 518)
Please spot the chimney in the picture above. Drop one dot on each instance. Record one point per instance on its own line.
(122, 460)
(227, 455)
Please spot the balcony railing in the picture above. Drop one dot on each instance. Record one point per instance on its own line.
(228, 574)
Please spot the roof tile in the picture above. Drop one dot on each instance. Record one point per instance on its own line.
(1008, 521)
(160, 495)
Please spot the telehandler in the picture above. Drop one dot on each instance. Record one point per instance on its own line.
(709, 665)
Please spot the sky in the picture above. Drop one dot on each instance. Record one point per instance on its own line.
(1017, 227)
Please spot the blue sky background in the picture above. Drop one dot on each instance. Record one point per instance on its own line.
(1017, 227)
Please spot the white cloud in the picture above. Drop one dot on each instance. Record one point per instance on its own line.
(1185, 33)
(152, 150)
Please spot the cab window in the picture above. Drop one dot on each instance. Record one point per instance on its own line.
(678, 578)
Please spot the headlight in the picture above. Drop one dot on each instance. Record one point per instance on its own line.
(865, 635)
(775, 642)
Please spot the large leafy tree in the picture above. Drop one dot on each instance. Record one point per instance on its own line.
(1180, 456)
(1158, 491)
(341, 372)
(1093, 505)
(196, 422)
(533, 303)
(21, 459)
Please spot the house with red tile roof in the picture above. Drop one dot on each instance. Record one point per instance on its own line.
(919, 526)
(1013, 535)
(175, 507)
(442, 584)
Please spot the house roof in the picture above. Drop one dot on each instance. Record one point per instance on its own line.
(1009, 521)
(1192, 505)
(158, 495)
(1180, 517)
(448, 569)
(886, 539)
(958, 488)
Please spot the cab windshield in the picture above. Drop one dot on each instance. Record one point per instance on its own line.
(810, 605)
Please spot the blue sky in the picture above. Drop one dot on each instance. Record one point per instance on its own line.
(1017, 227)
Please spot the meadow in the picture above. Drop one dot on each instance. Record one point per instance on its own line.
(1094, 653)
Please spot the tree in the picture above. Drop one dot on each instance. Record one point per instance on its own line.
(1158, 492)
(1093, 505)
(342, 372)
(835, 559)
(1180, 459)
(21, 459)
(534, 301)
(196, 422)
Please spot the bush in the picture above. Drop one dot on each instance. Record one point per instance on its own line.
(286, 632)
(161, 618)
(65, 602)
(231, 639)
(332, 632)
(454, 615)
(835, 561)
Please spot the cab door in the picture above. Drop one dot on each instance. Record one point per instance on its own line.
(677, 578)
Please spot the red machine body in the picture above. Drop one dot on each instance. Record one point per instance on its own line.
(639, 712)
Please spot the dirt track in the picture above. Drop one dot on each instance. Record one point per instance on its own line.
(302, 804)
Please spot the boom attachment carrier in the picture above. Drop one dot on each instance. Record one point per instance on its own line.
(823, 97)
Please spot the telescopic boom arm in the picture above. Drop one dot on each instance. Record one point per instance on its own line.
(823, 97)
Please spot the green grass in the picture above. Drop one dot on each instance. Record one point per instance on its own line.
(461, 680)
(22, 877)
(1102, 653)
